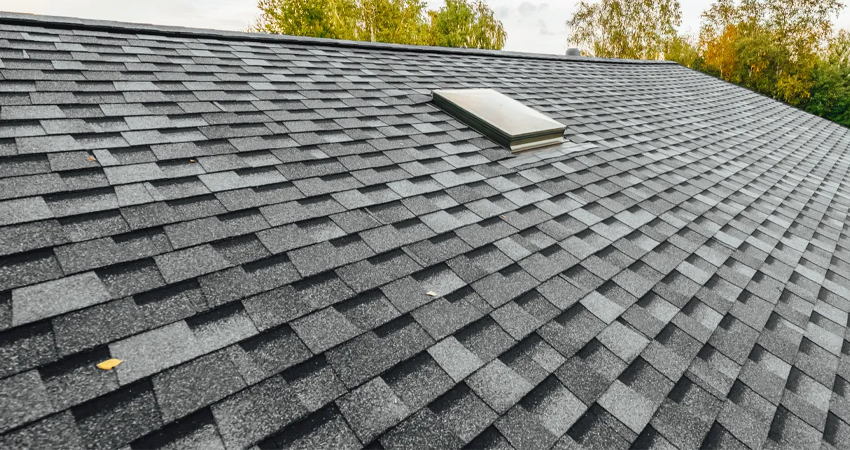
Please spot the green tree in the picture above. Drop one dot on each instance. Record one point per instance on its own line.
(830, 92)
(461, 23)
(395, 21)
(684, 51)
(334, 19)
(638, 29)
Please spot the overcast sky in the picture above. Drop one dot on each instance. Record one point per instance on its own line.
(532, 25)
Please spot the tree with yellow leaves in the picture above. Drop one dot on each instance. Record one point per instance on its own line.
(785, 49)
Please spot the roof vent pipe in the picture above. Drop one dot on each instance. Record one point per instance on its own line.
(572, 51)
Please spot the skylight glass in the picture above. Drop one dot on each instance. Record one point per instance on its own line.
(501, 118)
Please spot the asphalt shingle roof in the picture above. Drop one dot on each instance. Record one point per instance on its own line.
(289, 246)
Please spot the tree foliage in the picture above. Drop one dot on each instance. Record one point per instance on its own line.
(334, 19)
(785, 49)
(460, 23)
(637, 29)
(776, 47)
(396, 21)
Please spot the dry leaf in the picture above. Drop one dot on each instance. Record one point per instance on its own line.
(109, 364)
(431, 293)
(90, 158)
(191, 160)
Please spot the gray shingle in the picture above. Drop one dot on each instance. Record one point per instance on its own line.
(523, 431)
(418, 381)
(221, 327)
(29, 268)
(371, 353)
(292, 301)
(113, 250)
(256, 412)
(446, 315)
(315, 329)
(395, 235)
(314, 382)
(328, 255)
(31, 236)
(371, 409)
(196, 432)
(118, 418)
(603, 308)
(324, 429)
(39, 301)
(198, 383)
(25, 400)
(189, 263)
(24, 210)
(454, 358)
(555, 406)
(463, 412)
(423, 429)
(498, 385)
(75, 380)
(84, 329)
(152, 351)
(375, 271)
(26, 347)
(284, 213)
(270, 352)
(628, 406)
(57, 431)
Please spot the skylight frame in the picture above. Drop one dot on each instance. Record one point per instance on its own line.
(503, 119)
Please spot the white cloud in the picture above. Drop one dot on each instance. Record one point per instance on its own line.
(536, 26)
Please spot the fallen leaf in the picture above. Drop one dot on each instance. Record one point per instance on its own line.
(191, 160)
(109, 364)
(431, 293)
(90, 158)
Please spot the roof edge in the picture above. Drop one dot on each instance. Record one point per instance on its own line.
(15, 18)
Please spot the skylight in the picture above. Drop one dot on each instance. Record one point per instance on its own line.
(501, 118)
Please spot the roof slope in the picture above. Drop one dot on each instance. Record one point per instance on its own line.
(289, 246)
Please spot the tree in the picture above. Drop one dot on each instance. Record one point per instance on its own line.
(460, 23)
(717, 37)
(784, 49)
(395, 21)
(334, 19)
(639, 29)
(770, 46)
(684, 51)
(830, 92)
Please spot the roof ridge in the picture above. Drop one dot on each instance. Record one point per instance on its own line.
(15, 18)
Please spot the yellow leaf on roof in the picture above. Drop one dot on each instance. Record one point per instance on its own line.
(431, 293)
(109, 364)
(90, 158)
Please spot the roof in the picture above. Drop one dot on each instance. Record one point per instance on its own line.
(289, 246)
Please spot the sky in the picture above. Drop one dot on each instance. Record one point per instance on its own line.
(536, 26)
